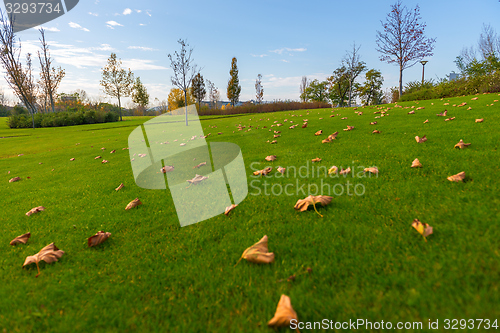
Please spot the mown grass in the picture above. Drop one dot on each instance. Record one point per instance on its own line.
(367, 261)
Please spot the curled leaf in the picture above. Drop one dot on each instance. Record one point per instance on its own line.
(345, 171)
(49, 254)
(373, 123)
(274, 141)
(281, 170)
(196, 180)
(304, 125)
(333, 170)
(263, 172)
(271, 158)
(284, 313)
(21, 239)
(426, 121)
(448, 119)
(167, 168)
(372, 170)
(461, 144)
(411, 112)
(317, 159)
(420, 139)
(113, 151)
(480, 120)
(72, 159)
(230, 208)
(98, 238)
(35, 210)
(376, 132)
(303, 204)
(15, 179)
(258, 253)
(119, 187)
(458, 177)
(104, 161)
(349, 128)
(416, 163)
(134, 203)
(442, 114)
(97, 157)
(200, 165)
(423, 228)
(319, 132)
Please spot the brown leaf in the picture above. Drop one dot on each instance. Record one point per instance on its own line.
(373, 123)
(411, 112)
(258, 253)
(284, 313)
(72, 159)
(104, 161)
(35, 210)
(461, 144)
(372, 170)
(416, 163)
(345, 171)
(333, 170)
(317, 159)
(281, 170)
(333, 136)
(230, 208)
(349, 128)
(448, 119)
(103, 148)
(15, 179)
(21, 239)
(271, 158)
(458, 177)
(167, 168)
(426, 121)
(200, 165)
(97, 157)
(376, 132)
(113, 151)
(474, 98)
(420, 139)
(303, 204)
(442, 114)
(319, 132)
(263, 172)
(479, 120)
(49, 254)
(423, 228)
(134, 203)
(274, 141)
(304, 125)
(119, 187)
(197, 179)
(98, 238)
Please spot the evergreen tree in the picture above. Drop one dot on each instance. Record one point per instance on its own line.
(233, 86)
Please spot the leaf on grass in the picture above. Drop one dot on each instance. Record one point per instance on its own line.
(461, 144)
(119, 187)
(200, 165)
(270, 158)
(284, 313)
(426, 121)
(103, 148)
(274, 141)
(349, 128)
(230, 208)
(21, 239)
(373, 123)
(474, 98)
(72, 159)
(420, 139)
(134, 203)
(97, 157)
(263, 172)
(281, 170)
(303, 204)
(15, 179)
(411, 112)
(167, 168)
(258, 253)
(49, 254)
(318, 132)
(98, 238)
(458, 177)
(113, 151)
(35, 210)
(376, 132)
(104, 161)
(442, 114)
(423, 228)
(448, 119)
(372, 170)
(304, 125)
(333, 170)
(345, 171)
(479, 120)
(416, 163)
(197, 179)
(317, 159)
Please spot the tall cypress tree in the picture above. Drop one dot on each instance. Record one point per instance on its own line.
(233, 86)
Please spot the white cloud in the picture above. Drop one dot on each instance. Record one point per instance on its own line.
(51, 29)
(127, 11)
(141, 64)
(113, 24)
(280, 51)
(93, 14)
(147, 12)
(259, 55)
(103, 47)
(138, 10)
(141, 24)
(77, 26)
(143, 48)
(284, 60)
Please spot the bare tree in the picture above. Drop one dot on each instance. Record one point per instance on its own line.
(184, 70)
(303, 86)
(50, 78)
(18, 77)
(489, 42)
(213, 94)
(354, 67)
(403, 40)
(259, 89)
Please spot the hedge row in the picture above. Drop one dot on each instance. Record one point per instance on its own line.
(58, 119)
(264, 108)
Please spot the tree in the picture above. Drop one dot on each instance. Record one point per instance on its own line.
(233, 86)
(177, 99)
(198, 89)
(303, 86)
(50, 78)
(116, 81)
(371, 90)
(259, 89)
(403, 41)
(18, 77)
(338, 86)
(140, 95)
(184, 70)
(316, 91)
(213, 94)
(354, 67)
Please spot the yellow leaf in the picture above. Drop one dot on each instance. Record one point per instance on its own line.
(258, 253)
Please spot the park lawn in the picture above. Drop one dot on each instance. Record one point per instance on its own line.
(367, 261)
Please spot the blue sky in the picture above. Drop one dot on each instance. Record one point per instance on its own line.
(282, 40)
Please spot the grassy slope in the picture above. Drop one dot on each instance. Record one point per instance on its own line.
(153, 275)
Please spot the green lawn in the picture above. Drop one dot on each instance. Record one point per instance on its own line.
(367, 261)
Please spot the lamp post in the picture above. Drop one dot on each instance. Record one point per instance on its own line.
(423, 62)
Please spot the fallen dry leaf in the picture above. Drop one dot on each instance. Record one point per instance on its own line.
(420, 139)
(442, 114)
(423, 228)
(49, 254)
(104, 161)
(317, 159)
(416, 163)
(119, 187)
(373, 123)
(376, 132)
(196, 180)
(411, 112)
(333, 170)
(72, 159)
(319, 132)
(281, 170)
(258, 253)
(304, 125)
(167, 168)
(448, 119)
(15, 179)
(98, 238)
(230, 208)
(103, 148)
(474, 98)
(35, 210)
(458, 177)
(303, 204)
(263, 172)
(461, 144)
(134, 203)
(274, 141)
(200, 165)
(284, 313)
(372, 170)
(345, 171)
(349, 128)
(97, 157)
(426, 121)
(479, 120)
(21, 239)
(270, 158)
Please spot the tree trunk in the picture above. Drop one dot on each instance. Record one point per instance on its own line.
(120, 107)
(400, 81)
(186, 106)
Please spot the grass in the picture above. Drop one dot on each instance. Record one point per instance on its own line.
(367, 261)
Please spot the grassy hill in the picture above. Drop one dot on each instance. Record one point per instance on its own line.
(366, 260)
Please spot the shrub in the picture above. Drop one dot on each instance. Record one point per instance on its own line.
(62, 119)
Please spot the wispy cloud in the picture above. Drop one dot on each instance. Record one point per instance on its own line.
(280, 51)
(51, 29)
(284, 60)
(93, 14)
(143, 48)
(141, 65)
(127, 11)
(77, 26)
(138, 10)
(103, 47)
(147, 12)
(259, 55)
(113, 24)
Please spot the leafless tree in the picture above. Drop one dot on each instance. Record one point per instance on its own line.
(403, 40)
(489, 42)
(354, 66)
(213, 94)
(303, 86)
